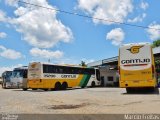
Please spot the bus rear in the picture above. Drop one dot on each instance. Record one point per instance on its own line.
(136, 66)
(35, 75)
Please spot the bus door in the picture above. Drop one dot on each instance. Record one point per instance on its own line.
(98, 74)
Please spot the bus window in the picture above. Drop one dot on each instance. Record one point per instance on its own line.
(25, 74)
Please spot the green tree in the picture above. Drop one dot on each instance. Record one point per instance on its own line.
(83, 64)
(156, 43)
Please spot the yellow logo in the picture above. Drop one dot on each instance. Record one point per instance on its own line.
(33, 65)
(135, 49)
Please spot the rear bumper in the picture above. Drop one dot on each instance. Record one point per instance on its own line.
(136, 83)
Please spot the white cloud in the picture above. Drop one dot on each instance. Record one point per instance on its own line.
(42, 53)
(12, 3)
(154, 34)
(144, 5)
(2, 16)
(114, 10)
(3, 35)
(116, 36)
(9, 53)
(20, 11)
(40, 27)
(2, 48)
(137, 19)
(72, 61)
(9, 68)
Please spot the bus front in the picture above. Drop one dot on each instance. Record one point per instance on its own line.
(6, 82)
(136, 66)
(19, 77)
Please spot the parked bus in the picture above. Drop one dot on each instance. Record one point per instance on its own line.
(6, 79)
(19, 77)
(137, 67)
(49, 76)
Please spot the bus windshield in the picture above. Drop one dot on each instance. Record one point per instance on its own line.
(20, 73)
(7, 76)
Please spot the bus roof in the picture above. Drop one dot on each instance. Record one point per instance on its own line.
(69, 65)
(142, 43)
(6, 71)
(21, 68)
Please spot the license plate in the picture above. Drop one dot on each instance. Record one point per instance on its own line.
(135, 81)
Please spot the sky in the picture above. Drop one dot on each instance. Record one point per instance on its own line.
(29, 33)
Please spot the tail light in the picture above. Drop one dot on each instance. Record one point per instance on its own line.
(150, 80)
(153, 69)
(119, 70)
(153, 72)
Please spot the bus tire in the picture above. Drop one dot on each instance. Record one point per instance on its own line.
(45, 89)
(129, 90)
(64, 85)
(34, 88)
(25, 89)
(3, 86)
(83, 86)
(154, 90)
(52, 89)
(57, 86)
(93, 84)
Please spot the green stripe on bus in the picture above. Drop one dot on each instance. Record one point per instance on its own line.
(82, 81)
(85, 80)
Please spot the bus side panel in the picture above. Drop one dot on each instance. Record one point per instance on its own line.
(50, 83)
(93, 79)
(84, 80)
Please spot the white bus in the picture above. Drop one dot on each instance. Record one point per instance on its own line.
(19, 77)
(6, 79)
(50, 76)
(137, 67)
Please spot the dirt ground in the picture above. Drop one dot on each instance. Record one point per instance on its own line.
(78, 101)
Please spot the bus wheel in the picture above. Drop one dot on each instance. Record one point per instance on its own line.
(25, 89)
(45, 89)
(52, 89)
(154, 90)
(93, 84)
(3, 86)
(64, 86)
(129, 90)
(82, 86)
(58, 86)
(34, 88)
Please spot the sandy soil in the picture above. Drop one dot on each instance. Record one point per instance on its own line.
(77, 101)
